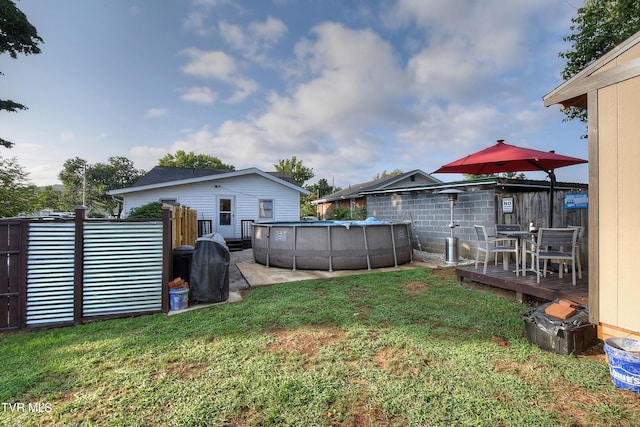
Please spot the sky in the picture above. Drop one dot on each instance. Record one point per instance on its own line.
(352, 88)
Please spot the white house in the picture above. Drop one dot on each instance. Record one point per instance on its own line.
(222, 198)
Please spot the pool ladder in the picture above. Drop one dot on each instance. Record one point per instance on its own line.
(414, 235)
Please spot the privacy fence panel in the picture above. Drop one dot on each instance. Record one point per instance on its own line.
(122, 267)
(50, 273)
(61, 272)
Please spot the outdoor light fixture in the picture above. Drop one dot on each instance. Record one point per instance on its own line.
(451, 242)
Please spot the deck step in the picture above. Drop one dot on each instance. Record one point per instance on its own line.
(237, 244)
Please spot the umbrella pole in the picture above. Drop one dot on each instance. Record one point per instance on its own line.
(552, 178)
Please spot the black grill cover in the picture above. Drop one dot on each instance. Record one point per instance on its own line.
(210, 269)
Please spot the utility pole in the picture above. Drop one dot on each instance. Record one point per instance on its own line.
(84, 185)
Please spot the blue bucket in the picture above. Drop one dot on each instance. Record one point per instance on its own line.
(178, 298)
(623, 355)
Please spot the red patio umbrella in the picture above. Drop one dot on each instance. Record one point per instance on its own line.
(503, 157)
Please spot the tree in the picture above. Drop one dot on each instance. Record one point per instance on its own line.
(320, 189)
(119, 172)
(88, 184)
(17, 35)
(385, 174)
(599, 26)
(50, 197)
(72, 177)
(17, 195)
(295, 168)
(192, 160)
(510, 175)
(317, 190)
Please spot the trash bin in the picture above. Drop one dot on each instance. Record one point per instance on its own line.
(182, 260)
(563, 336)
(210, 269)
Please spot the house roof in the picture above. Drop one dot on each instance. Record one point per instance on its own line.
(163, 174)
(167, 176)
(356, 190)
(523, 184)
(573, 92)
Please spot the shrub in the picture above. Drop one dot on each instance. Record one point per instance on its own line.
(341, 213)
(150, 210)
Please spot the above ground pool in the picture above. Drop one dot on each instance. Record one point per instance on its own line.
(338, 245)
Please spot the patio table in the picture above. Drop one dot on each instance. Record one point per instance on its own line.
(521, 236)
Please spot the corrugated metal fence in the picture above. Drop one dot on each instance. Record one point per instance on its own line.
(62, 272)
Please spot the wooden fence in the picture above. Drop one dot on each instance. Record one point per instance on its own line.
(184, 225)
(534, 206)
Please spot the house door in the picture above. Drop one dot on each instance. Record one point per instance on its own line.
(226, 216)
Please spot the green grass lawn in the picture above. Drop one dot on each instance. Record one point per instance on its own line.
(408, 348)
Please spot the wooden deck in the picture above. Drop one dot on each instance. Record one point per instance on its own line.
(549, 288)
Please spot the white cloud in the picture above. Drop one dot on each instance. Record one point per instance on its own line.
(394, 85)
(44, 164)
(218, 65)
(209, 64)
(468, 45)
(195, 21)
(199, 12)
(236, 143)
(256, 40)
(153, 113)
(354, 106)
(145, 157)
(268, 32)
(211, 3)
(243, 88)
(199, 95)
(356, 82)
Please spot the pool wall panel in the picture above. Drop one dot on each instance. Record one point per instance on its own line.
(323, 246)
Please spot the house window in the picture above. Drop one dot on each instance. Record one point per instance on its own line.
(265, 208)
(224, 210)
(172, 202)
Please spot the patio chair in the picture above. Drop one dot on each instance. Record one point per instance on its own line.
(579, 244)
(494, 245)
(553, 244)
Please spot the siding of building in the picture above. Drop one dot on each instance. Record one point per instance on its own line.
(618, 175)
(609, 88)
(247, 190)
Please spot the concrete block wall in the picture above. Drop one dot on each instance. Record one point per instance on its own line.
(431, 212)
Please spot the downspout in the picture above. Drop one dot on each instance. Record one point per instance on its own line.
(118, 201)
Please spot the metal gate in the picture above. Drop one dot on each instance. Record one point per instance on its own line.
(12, 264)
